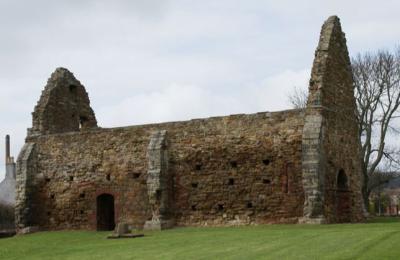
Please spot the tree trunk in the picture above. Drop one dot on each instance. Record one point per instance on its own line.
(365, 191)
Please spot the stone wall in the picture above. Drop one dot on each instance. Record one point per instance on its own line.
(224, 170)
(26, 186)
(64, 106)
(280, 167)
(330, 140)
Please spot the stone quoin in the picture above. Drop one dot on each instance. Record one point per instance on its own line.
(293, 166)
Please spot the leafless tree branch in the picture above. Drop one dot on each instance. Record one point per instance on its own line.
(298, 98)
(377, 91)
(377, 94)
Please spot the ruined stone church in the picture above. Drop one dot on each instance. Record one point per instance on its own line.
(293, 166)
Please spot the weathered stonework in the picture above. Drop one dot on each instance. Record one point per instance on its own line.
(63, 107)
(330, 143)
(279, 167)
(159, 186)
(26, 172)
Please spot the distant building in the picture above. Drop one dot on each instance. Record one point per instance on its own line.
(387, 199)
(7, 186)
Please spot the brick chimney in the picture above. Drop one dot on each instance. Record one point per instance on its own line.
(10, 164)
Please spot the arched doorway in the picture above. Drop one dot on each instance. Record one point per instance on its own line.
(343, 196)
(105, 212)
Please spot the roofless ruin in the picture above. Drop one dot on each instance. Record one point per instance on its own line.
(270, 167)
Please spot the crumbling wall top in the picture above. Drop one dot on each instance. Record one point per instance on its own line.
(331, 55)
(64, 106)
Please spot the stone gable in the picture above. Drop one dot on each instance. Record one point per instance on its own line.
(269, 167)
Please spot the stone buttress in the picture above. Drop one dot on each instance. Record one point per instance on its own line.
(159, 188)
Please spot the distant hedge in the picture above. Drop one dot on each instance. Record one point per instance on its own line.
(6, 217)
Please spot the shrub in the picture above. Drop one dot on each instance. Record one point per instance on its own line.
(6, 217)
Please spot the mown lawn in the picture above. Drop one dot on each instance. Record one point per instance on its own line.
(377, 240)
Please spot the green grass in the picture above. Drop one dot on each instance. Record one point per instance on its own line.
(378, 240)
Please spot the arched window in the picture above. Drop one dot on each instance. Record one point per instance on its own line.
(342, 180)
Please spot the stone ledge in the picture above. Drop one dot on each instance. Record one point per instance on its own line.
(312, 221)
(159, 225)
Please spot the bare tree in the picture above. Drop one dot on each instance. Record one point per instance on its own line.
(379, 178)
(377, 183)
(298, 98)
(377, 92)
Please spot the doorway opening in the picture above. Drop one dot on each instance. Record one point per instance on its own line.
(343, 198)
(105, 212)
(342, 180)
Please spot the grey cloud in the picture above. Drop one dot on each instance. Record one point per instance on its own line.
(223, 56)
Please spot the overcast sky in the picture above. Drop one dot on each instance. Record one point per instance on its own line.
(145, 61)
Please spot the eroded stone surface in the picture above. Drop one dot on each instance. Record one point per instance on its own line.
(330, 135)
(278, 167)
(159, 185)
(26, 186)
(64, 106)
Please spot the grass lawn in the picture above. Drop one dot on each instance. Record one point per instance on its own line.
(379, 239)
